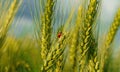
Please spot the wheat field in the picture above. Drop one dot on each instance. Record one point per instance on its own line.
(60, 39)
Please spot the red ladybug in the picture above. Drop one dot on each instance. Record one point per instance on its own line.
(59, 34)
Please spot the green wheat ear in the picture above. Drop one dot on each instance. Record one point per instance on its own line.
(55, 54)
(86, 32)
(74, 42)
(46, 28)
(109, 39)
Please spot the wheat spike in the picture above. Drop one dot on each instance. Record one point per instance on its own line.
(109, 39)
(74, 42)
(55, 54)
(46, 28)
(86, 32)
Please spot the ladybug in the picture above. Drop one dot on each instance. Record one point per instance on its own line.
(59, 34)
